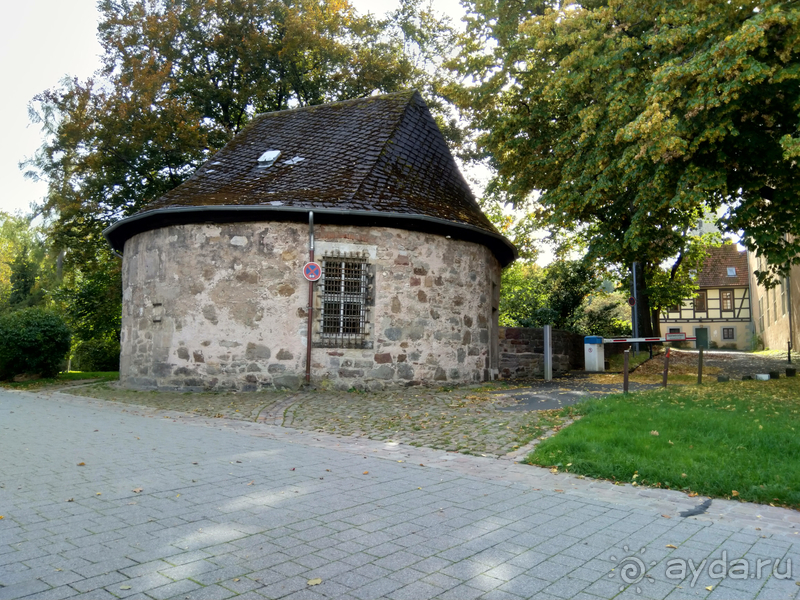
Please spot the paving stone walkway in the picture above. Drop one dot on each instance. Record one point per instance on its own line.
(107, 500)
(466, 420)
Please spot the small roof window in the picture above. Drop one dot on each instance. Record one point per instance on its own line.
(731, 271)
(268, 158)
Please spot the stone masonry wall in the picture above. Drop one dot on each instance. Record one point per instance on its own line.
(220, 307)
(522, 352)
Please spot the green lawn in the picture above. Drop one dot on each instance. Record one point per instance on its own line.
(617, 361)
(736, 439)
(62, 378)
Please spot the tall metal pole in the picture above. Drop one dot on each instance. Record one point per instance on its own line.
(548, 352)
(310, 308)
(635, 308)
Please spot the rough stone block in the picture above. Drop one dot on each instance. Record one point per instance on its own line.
(287, 382)
(257, 352)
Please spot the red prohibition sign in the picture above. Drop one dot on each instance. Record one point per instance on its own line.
(312, 271)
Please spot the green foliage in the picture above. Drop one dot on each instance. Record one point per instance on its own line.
(523, 296)
(634, 117)
(90, 298)
(32, 340)
(532, 296)
(23, 268)
(606, 314)
(96, 355)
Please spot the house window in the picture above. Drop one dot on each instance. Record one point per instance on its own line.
(674, 330)
(775, 303)
(345, 294)
(700, 302)
(726, 299)
(767, 306)
(728, 333)
(783, 297)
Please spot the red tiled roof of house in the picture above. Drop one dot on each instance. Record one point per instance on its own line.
(715, 268)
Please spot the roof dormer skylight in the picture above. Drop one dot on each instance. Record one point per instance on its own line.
(268, 158)
(731, 271)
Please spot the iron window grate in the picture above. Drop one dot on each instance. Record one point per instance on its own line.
(345, 289)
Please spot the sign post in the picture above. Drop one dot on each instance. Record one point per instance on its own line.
(634, 310)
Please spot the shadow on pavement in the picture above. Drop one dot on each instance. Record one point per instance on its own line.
(564, 391)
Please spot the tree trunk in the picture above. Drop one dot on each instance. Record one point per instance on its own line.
(656, 322)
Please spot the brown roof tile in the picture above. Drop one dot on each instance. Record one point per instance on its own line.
(382, 154)
(714, 273)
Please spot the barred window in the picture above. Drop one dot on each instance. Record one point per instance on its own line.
(345, 292)
(728, 333)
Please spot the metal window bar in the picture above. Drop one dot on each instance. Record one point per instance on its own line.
(344, 301)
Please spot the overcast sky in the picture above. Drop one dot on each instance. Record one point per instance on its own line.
(43, 41)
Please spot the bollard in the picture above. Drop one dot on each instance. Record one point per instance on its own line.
(625, 372)
(666, 366)
(700, 368)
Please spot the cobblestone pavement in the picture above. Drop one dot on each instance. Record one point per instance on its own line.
(107, 500)
(466, 420)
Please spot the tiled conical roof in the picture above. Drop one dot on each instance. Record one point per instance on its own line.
(377, 160)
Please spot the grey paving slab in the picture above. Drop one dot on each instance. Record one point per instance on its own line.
(234, 509)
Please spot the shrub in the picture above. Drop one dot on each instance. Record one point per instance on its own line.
(96, 355)
(32, 340)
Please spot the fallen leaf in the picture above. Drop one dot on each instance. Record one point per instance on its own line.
(692, 494)
(81, 464)
(98, 494)
(365, 473)
(683, 474)
(673, 546)
(124, 587)
(316, 581)
(734, 493)
(709, 587)
(59, 569)
(70, 499)
(1, 517)
(252, 482)
(554, 469)
(670, 442)
(292, 469)
(559, 491)
(137, 490)
(421, 465)
(666, 517)
(654, 432)
(236, 579)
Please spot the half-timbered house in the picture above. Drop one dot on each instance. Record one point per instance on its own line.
(719, 316)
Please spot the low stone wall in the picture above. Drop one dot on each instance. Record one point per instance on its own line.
(522, 352)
